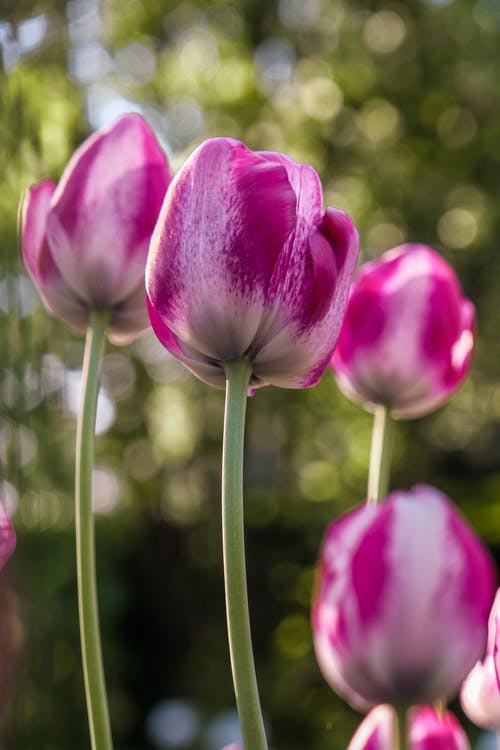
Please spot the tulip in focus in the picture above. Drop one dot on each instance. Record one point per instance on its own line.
(480, 693)
(244, 264)
(427, 730)
(402, 600)
(7, 537)
(85, 242)
(408, 333)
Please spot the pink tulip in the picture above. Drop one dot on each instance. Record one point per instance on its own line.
(480, 693)
(245, 264)
(7, 537)
(428, 730)
(402, 600)
(85, 242)
(408, 333)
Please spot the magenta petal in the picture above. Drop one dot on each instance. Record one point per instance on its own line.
(403, 596)
(207, 370)
(377, 731)
(104, 211)
(54, 291)
(7, 537)
(220, 232)
(33, 227)
(430, 730)
(408, 333)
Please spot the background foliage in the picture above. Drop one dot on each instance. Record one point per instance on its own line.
(397, 105)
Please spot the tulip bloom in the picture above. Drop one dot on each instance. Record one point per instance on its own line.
(85, 242)
(480, 693)
(244, 264)
(427, 730)
(408, 333)
(7, 537)
(402, 600)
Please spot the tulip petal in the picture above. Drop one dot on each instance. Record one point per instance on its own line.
(408, 334)
(55, 293)
(403, 595)
(219, 235)
(7, 537)
(104, 210)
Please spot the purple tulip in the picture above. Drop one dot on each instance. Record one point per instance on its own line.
(7, 537)
(408, 333)
(245, 264)
(85, 242)
(480, 693)
(428, 730)
(402, 600)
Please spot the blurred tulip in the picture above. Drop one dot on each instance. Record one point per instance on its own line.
(245, 264)
(408, 333)
(480, 693)
(85, 242)
(428, 730)
(402, 600)
(7, 537)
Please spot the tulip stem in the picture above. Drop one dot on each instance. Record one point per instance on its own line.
(93, 672)
(380, 454)
(401, 742)
(233, 539)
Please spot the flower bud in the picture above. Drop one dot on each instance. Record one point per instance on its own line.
(480, 693)
(408, 333)
(85, 242)
(428, 730)
(245, 264)
(402, 600)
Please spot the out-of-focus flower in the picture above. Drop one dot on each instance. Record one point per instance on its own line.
(427, 730)
(402, 600)
(408, 333)
(245, 264)
(85, 242)
(7, 537)
(480, 693)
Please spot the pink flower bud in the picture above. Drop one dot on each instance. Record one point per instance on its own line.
(245, 264)
(408, 333)
(480, 693)
(7, 537)
(85, 242)
(428, 730)
(402, 600)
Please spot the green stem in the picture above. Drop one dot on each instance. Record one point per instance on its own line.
(93, 672)
(380, 454)
(401, 742)
(233, 539)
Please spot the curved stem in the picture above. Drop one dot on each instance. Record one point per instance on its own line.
(233, 539)
(380, 454)
(95, 688)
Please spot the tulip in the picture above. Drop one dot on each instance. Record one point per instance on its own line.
(408, 333)
(85, 242)
(480, 693)
(244, 264)
(402, 600)
(7, 537)
(428, 730)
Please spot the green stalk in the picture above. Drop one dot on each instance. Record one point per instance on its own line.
(380, 454)
(93, 672)
(233, 540)
(401, 742)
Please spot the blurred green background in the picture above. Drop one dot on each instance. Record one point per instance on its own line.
(397, 105)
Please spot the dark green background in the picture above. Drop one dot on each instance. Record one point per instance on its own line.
(397, 105)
